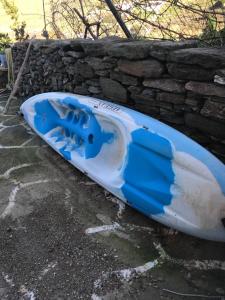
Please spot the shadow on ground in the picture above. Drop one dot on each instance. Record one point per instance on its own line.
(64, 237)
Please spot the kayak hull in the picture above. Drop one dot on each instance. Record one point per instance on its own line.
(147, 164)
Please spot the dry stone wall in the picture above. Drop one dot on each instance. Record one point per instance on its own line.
(175, 82)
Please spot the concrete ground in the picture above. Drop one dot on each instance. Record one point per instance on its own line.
(64, 237)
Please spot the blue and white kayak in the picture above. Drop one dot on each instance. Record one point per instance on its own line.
(147, 164)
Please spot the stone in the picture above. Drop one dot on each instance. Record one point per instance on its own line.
(61, 53)
(83, 69)
(220, 72)
(94, 90)
(130, 50)
(75, 54)
(150, 68)
(203, 88)
(82, 90)
(219, 77)
(68, 60)
(189, 72)
(208, 58)
(103, 73)
(113, 90)
(147, 96)
(74, 45)
(149, 93)
(166, 105)
(205, 125)
(111, 60)
(49, 50)
(171, 97)
(94, 47)
(71, 69)
(173, 45)
(98, 64)
(161, 49)
(168, 85)
(159, 54)
(220, 290)
(134, 89)
(55, 44)
(123, 78)
(193, 104)
(214, 109)
(93, 82)
(77, 80)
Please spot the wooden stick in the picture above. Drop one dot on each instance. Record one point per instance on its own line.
(18, 79)
(118, 18)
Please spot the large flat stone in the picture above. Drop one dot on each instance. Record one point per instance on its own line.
(210, 127)
(150, 68)
(94, 48)
(203, 88)
(168, 85)
(130, 50)
(144, 49)
(161, 49)
(209, 58)
(49, 46)
(189, 72)
(113, 90)
(98, 47)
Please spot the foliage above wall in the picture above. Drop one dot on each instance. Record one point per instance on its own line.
(167, 19)
(17, 26)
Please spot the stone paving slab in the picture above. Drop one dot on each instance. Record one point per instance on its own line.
(64, 237)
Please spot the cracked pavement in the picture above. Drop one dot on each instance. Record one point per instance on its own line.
(64, 237)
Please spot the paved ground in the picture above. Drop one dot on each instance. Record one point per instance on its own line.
(64, 237)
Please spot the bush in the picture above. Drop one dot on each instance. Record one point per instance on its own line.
(20, 34)
(4, 42)
(211, 35)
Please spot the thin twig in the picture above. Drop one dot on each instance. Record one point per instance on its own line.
(192, 295)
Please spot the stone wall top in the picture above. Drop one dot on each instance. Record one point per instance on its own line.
(114, 47)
